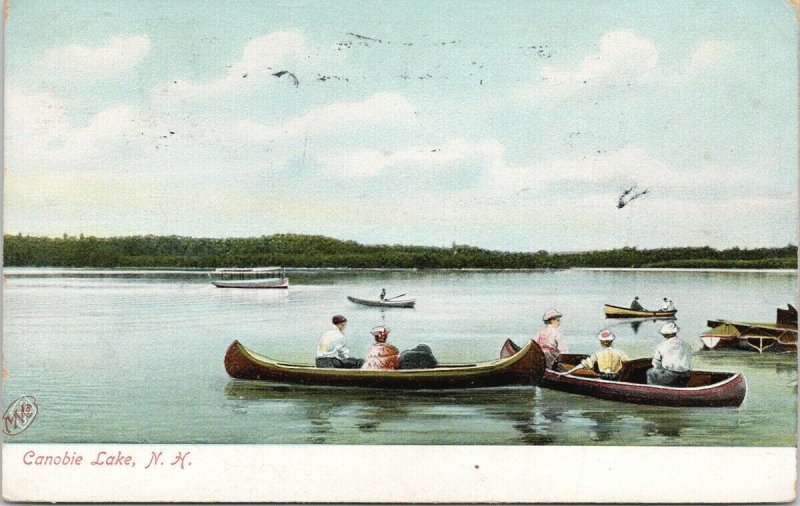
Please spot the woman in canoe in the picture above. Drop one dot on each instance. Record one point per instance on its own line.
(550, 339)
(381, 355)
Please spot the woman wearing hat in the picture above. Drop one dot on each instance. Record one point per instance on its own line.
(550, 339)
(607, 362)
(672, 361)
(381, 355)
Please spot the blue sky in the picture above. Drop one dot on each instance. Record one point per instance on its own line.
(512, 125)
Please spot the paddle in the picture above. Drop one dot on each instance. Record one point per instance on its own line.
(396, 296)
(579, 366)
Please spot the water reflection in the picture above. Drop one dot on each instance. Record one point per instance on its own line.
(374, 411)
(516, 415)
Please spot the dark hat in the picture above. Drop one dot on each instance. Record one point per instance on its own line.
(637, 297)
(338, 319)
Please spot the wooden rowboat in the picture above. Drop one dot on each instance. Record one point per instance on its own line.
(383, 303)
(760, 337)
(705, 389)
(525, 367)
(624, 312)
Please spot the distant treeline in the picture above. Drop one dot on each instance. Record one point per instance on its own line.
(292, 250)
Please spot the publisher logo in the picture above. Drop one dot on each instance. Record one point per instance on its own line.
(20, 415)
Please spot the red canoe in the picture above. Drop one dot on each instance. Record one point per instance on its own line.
(705, 389)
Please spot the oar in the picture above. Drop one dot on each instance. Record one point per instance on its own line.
(579, 366)
(396, 296)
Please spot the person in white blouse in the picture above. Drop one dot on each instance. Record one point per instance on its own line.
(332, 348)
(668, 305)
(672, 361)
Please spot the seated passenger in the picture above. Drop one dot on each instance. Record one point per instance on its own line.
(551, 340)
(607, 362)
(418, 357)
(635, 305)
(381, 355)
(332, 349)
(672, 361)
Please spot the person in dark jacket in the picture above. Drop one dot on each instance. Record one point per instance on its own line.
(418, 357)
(635, 304)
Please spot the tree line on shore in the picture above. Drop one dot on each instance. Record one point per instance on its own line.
(295, 250)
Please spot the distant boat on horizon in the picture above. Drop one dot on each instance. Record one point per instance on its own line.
(255, 277)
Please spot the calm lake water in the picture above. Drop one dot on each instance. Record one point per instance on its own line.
(130, 359)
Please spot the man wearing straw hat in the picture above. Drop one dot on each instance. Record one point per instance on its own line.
(672, 361)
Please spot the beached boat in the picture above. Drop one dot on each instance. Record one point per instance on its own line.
(624, 312)
(760, 337)
(705, 389)
(522, 368)
(383, 303)
(258, 277)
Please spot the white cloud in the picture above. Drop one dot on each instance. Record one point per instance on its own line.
(261, 57)
(383, 108)
(623, 59)
(707, 54)
(118, 55)
(366, 163)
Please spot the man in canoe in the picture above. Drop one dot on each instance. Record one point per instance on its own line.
(332, 351)
(383, 294)
(551, 340)
(672, 361)
(635, 304)
(607, 362)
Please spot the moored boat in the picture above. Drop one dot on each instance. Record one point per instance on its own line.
(525, 367)
(624, 312)
(705, 389)
(760, 337)
(383, 303)
(257, 277)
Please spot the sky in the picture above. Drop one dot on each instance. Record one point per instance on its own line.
(504, 125)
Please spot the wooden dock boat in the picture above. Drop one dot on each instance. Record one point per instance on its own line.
(258, 277)
(760, 337)
(525, 367)
(705, 389)
(624, 312)
(383, 303)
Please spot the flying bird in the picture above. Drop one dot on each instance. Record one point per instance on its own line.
(628, 196)
(287, 73)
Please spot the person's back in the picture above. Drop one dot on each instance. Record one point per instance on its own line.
(608, 361)
(635, 304)
(381, 355)
(332, 351)
(672, 360)
(418, 357)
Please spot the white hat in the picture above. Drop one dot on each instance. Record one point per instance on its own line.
(669, 329)
(606, 335)
(550, 314)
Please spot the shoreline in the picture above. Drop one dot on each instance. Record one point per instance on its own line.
(89, 272)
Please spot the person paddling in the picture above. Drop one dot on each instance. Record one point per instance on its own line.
(607, 362)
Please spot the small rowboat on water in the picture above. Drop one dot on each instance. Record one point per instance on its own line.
(705, 389)
(522, 368)
(258, 277)
(760, 337)
(624, 312)
(383, 303)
